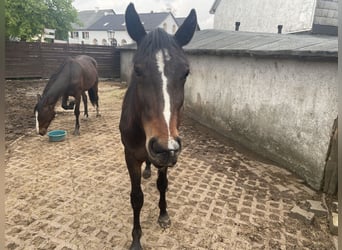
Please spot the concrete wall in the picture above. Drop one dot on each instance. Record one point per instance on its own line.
(283, 109)
(126, 65)
(265, 15)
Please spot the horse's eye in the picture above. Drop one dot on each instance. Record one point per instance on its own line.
(185, 75)
(138, 70)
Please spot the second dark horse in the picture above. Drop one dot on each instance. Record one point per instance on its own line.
(73, 78)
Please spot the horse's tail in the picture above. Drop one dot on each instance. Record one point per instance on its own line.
(93, 96)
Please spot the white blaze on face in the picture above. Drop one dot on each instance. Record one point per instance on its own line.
(37, 122)
(161, 58)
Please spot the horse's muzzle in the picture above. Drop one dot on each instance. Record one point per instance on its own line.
(162, 155)
(42, 131)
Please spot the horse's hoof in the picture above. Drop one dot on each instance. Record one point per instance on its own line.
(76, 133)
(135, 246)
(146, 173)
(164, 221)
(98, 115)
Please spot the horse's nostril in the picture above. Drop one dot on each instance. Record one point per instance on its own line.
(178, 139)
(156, 147)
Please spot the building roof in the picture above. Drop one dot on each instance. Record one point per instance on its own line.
(117, 22)
(263, 44)
(254, 44)
(180, 20)
(88, 17)
(214, 6)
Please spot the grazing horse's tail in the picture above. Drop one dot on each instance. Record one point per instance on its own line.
(92, 92)
(92, 96)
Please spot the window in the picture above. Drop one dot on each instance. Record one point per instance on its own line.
(123, 42)
(104, 42)
(95, 41)
(85, 35)
(74, 34)
(173, 29)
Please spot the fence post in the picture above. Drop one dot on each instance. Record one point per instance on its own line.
(41, 59)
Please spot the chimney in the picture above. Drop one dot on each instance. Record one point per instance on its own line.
(280, 27)
(237, 26)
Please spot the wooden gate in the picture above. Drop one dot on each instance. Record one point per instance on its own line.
(40, 60)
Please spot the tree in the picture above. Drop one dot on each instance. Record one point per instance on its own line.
(27, 19)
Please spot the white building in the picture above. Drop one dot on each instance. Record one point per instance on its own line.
(104, 27)
(293, 16)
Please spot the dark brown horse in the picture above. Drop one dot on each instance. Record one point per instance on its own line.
(73, 78)
(152, 107)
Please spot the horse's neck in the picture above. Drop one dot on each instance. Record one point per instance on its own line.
(58, 88)
(131, 111)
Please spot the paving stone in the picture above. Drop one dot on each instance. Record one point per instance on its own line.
(333, 223)
(334, 207)
(281, 188)
(75, 194)
(317, 207)
(299, 213)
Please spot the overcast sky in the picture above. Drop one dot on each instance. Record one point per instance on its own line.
(180, 8)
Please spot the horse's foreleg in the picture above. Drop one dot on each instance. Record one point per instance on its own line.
(77, 115)
(147, 171)
(162, 182)
(85, 104)
(137, 197)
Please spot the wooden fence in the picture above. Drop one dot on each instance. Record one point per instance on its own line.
(41, 60)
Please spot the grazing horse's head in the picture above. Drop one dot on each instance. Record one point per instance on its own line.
(158, 77)
(44, 113)
(44, 110)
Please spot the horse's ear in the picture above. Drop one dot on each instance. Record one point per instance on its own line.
(187, 29)
(134, 26)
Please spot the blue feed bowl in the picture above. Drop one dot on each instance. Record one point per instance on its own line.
(57, 135)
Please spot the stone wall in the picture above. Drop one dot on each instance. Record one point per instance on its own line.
(283, 109)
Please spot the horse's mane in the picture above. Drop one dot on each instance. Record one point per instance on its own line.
(155, 40)
(55, 75)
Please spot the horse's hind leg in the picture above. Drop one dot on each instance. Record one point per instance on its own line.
(65, 104)
(94, 98)
(77, 115)
(97, 103)
(85, 104)
(137, 197)
(96, 93)
(162, 182)
(147, 171)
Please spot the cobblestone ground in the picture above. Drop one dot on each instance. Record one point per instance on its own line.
(75, 194)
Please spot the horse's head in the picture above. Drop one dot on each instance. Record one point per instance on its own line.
(160, 71)
(44, 113)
